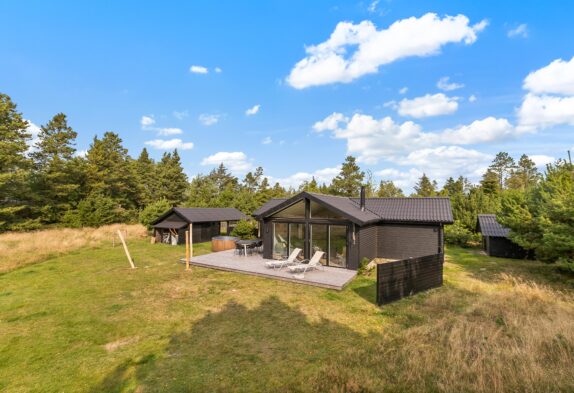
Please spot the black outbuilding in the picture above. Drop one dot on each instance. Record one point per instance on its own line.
(495, 241)
(348, 230)
(205, 222)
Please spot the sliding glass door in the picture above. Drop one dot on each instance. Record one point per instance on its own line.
(320, 240)
(280, 237)
(297, 238)
(332, 240)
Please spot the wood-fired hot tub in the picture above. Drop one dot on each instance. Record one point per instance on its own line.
(222, 243)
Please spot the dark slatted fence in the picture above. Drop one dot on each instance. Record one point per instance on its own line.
(398, 279)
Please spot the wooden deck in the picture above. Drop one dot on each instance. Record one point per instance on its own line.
(327, 277)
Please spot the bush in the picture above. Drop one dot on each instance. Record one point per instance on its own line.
(565, 265)
(94, 211)
(245, 230)
(458, 235)
(153, 211)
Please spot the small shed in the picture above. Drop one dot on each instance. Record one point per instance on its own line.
(495, 241)
(206, 223)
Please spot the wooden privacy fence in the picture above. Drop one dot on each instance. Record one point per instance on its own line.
(398, 279)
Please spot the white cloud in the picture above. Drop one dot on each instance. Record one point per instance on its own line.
(555, 78)
(253, 110)
(147, 121)
(81, 153)
(472, 98)
(209, 119)
(168, 131)
(403, 90)
(445, 84)
(373, 6)
(34, 131)
(519, 31)
(267, 140)
(169, 144)
(541, 160)
(196, 69)
(383, 139)
(295, 180)
(332, 62)
(236, 162)
(218, 70)
(428, 105)
(180, 115)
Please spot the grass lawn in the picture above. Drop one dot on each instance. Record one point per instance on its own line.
(84, 321)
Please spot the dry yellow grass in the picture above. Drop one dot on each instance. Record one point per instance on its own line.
(24, 248)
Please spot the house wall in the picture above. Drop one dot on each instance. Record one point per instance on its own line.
(368, 237)
(400, 241)
(267, 236)
(504, 248)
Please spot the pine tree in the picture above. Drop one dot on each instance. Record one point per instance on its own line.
(524, 176)
(387, 189)
(490, 182)
(349, 180)
(56, 171)
(172, 180)
(14, 165)
(310, 186)
(502, 165)
(147, 178)
(425, 187)
(109, 171)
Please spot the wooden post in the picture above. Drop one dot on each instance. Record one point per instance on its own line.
(186, 250)
(191, 240)
(126, 250)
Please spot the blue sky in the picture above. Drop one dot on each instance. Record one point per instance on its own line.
(319, 79)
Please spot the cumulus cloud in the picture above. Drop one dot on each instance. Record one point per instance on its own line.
(519, 31)
(267, 140)
(169, 131)
(556, 78)
(445, 84)
(428, 105)
(375, 139)
(542, 160)
(81, 153)
(550, 98)
(236, 162)
(333, 61)
(147, 121)
(209, 119)
(34, 131)
(253, 110)
(169, 144)
(197, 69)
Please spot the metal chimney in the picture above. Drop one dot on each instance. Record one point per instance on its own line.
(362, 198)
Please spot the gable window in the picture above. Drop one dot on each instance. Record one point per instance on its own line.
(296, 210)
(320, 211)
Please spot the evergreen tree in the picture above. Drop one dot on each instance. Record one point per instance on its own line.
(109, 171)
(524, 176)
(349, 180)
(147, 178)
(172, 180)
(222, 178)
(490, 182)
(387, 189)
(202, 192)
(310, 186)
(56, 171)
(425, 187)
(14, 165)
(502, 165)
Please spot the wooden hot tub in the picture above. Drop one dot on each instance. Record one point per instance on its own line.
(222, 243)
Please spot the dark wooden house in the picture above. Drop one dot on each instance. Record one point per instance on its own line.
(205, 223)
(351, 229)
(495, 241)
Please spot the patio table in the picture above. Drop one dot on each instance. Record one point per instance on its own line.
(245, 244)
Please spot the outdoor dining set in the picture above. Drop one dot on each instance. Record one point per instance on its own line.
(248, 247)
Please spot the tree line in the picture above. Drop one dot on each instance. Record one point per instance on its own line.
(50, 184)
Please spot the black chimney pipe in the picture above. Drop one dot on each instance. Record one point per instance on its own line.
(363, 198)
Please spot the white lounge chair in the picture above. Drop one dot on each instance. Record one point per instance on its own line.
(284, 262)
(314, 263)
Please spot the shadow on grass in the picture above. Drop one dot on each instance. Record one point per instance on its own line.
(272, 347)
(368, 291)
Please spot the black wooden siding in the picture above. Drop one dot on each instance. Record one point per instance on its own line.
(504, 248)
(398, 279)
(368, 242)
(398, 241)
(267, 235)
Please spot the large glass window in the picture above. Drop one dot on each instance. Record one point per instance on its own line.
(338, 246)
(319, 211)
(297, 238)
(297, 210)
(319, 237)
(280, 236)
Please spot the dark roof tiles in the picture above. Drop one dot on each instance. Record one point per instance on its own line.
(205, 214)
(488, 226)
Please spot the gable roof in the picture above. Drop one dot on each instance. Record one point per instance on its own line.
(488, 226)
(204, 214)
(422, 210)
